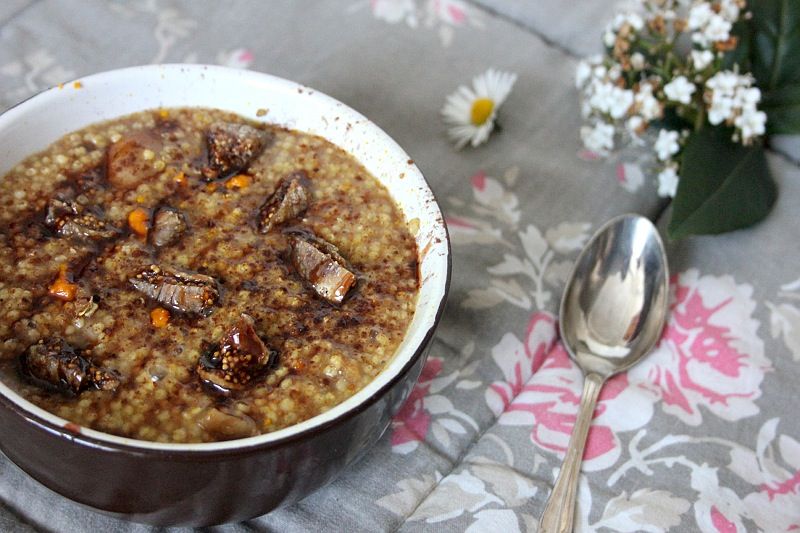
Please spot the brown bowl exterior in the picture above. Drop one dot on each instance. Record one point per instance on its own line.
(198, 489)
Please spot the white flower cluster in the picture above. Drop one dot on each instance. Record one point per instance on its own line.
(733, 101)
(629, 21)
(666, 146)
(603, 97)
(712, 22)
(644, 78)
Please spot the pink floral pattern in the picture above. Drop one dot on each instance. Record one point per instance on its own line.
(239, 58)
(773, 468)
(411, 424)
(548, 401)
(519, 361)
(710, 355)
(443, 15)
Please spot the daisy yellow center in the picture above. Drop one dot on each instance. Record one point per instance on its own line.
(481, 111)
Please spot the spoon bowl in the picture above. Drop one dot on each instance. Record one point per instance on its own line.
(615, 303)
(612, 314)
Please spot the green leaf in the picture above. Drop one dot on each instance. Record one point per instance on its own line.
(723, 186)
(783, 109)
(776, 42)
(671, 121)
(740, 55)
(775, 60)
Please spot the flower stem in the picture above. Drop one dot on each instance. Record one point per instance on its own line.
(668, 63)
(699, 119)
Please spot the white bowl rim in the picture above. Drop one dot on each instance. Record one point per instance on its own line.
(438, 247)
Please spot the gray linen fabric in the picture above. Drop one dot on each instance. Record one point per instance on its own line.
(574, 26)
(716, 446)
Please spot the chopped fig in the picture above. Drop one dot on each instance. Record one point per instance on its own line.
(227, 425)
(168, 226)
(320, 263)
(91, 179)
(231, 148)
(181, 291)
(53, 364)
(128, 163)
(239, 358)
(289, 200)
(69, 219)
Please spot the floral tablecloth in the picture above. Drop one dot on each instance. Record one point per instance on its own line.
(703, 435)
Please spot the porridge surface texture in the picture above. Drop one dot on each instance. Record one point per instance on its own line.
(184, 275)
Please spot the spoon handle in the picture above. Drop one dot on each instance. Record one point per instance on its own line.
(560, 509)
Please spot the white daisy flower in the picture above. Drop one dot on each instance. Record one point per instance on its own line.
(667, 144)
(471, 112)
(668, 182)
(680, 90)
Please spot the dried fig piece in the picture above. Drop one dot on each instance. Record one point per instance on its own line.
(227, 424)
(181, 291)
(231, 148)
(290, 200)
(55, 365)
(69, 219)
(320, 263)
(127, 161)
(91, 179)
(168, 226)
(238, 359)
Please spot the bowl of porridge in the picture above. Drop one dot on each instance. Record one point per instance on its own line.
(216, 288)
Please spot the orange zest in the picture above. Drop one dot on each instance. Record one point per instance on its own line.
(239, 181)
(159, 317)
(62, 288)
(180, 178)
(138, 220)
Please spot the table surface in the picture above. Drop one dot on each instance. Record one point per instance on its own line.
(702, 435)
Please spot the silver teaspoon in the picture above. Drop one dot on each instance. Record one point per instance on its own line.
(612, 313)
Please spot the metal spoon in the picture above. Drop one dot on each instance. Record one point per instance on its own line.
(612, 313)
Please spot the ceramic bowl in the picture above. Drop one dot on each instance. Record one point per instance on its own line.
(212, 483)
